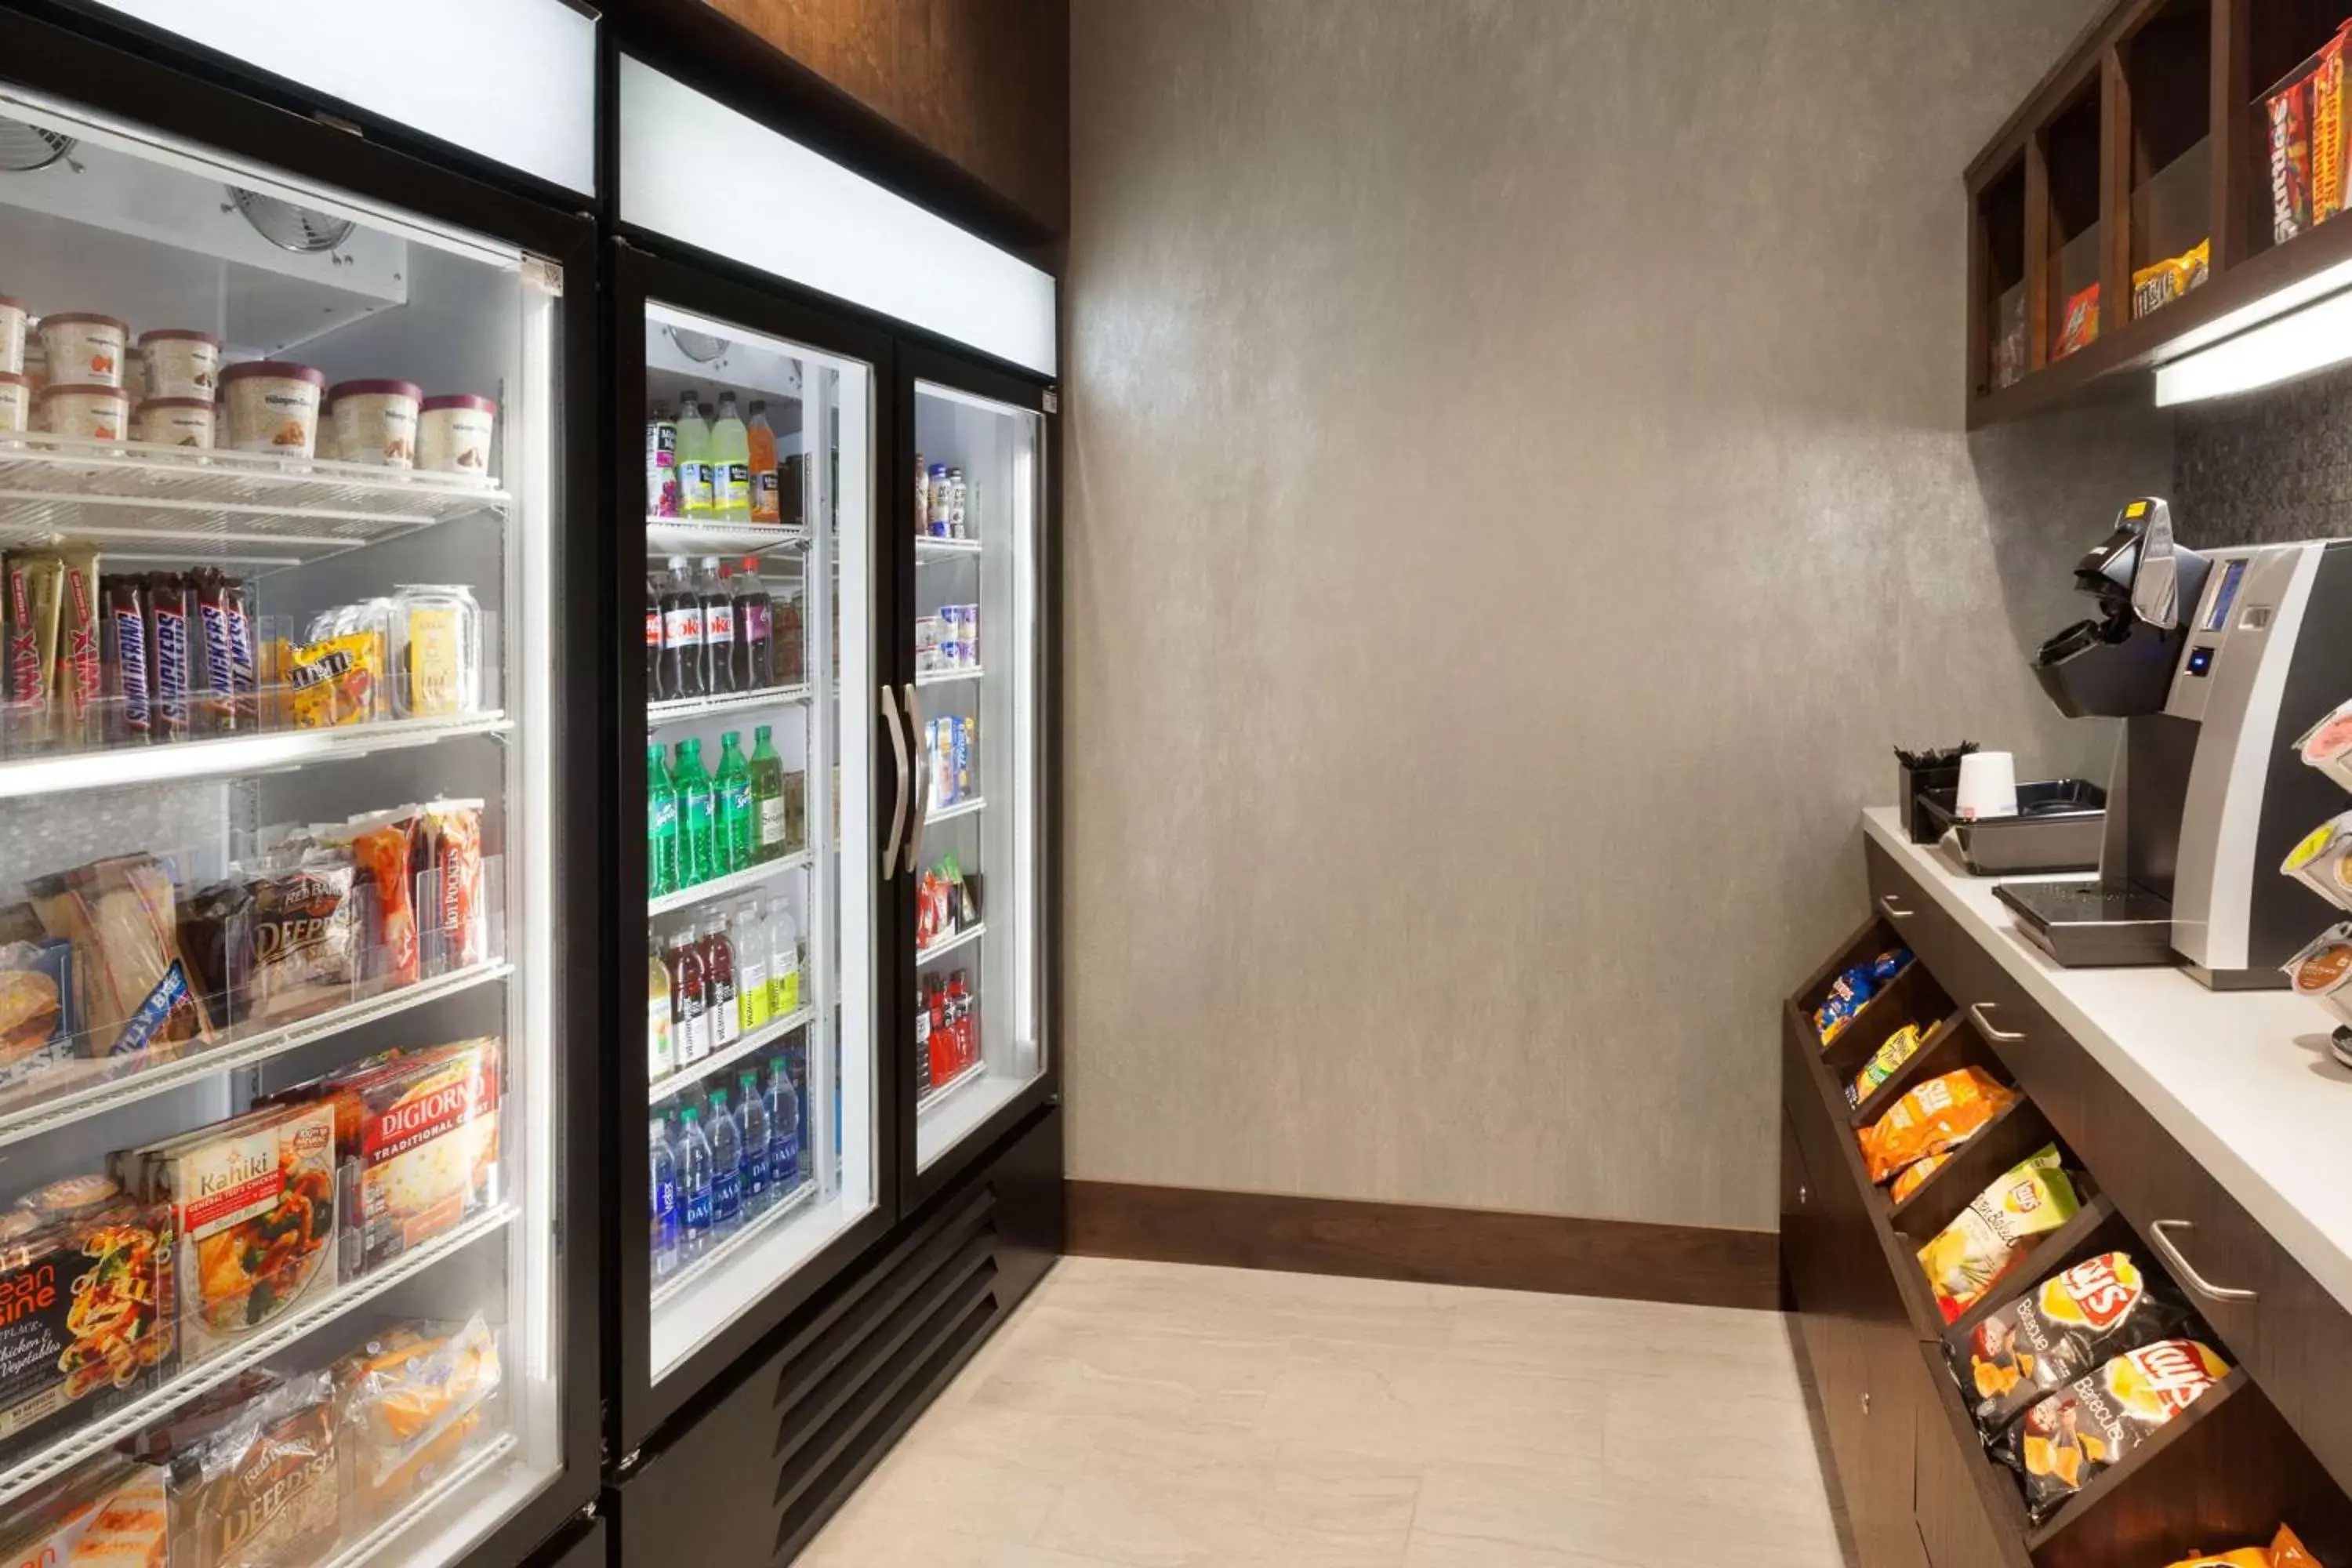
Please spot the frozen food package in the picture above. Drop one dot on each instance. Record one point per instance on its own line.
(257, 1481)
(216, 938)
(304, 932)
(37, 1011)
(436, 653)
(2079, 327)
(2064, 1439)
(416, 1399)
(86, 1327)
(456, 923)
(383, 844)
(1989, 1238)
(2061, 1328)
(2287, 119)
(418, 1133)
(1900, 1047)
(253, 1205)
(110, 1513)
(136, 993)
(1935, 1116)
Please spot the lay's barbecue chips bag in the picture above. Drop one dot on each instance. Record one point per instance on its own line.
(2061, 1443)
(2058, 1330)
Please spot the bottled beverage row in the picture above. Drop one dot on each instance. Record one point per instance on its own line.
(700, 825)
(945, 504)
(718, 630)
(947, 1030)
(710, 984)
(724, 1155)
(720, 470)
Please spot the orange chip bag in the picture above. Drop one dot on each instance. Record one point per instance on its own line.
(1935, 1117)
(2286, 1551)
(1915, 1176)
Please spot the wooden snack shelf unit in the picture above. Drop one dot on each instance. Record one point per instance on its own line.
(1919, 1489)
(2149, 135)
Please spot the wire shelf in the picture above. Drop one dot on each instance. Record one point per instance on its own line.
(952, 673)
(231, 757)
(734, 882)
(668, 536)
(735, 1241)
(749, 1046)
(680, 709)
(424, 1504)
(947, 945)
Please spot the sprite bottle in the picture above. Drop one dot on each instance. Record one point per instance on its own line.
(661, 827)
(698, 837)
(733, 786)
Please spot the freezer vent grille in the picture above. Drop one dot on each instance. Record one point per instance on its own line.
(288, 227)
(25, 148)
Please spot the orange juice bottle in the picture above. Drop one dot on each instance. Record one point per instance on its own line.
(765, 509)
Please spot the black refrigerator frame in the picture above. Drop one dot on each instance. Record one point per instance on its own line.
(129, 74)
(645, 266)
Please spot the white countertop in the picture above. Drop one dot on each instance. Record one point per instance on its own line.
(2242, 1079)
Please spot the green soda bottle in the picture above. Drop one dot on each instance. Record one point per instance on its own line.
(734, 787)
(697, 857)
(661, 827)
(769, 819)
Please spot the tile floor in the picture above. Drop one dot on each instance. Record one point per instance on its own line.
(1151, 1415)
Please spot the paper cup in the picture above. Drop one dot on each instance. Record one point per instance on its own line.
(1987, 786)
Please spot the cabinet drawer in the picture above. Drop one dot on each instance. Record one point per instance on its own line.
(1948, 951)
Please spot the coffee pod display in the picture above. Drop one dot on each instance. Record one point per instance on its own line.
(2328, 745)
(2321, 862)
(2323, 971)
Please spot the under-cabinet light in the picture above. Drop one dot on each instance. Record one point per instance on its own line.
(2311, 338)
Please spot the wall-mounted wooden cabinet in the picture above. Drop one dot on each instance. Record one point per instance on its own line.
(2133, 199)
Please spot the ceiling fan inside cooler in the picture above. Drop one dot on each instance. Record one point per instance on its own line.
(23, 148)
(302, 230)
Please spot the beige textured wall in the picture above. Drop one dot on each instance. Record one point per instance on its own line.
(1516, 497)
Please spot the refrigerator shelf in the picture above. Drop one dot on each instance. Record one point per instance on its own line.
(678, 711)
(428, 1501)
(972, 806)
(232, 755)
(948, 1121)
(931, 1098)
(948, 944)
(218, 501)
(668, 536)
(96, 1437)
(944, 677)
(930, 548)
(749, 1046)
(733, 882)
(735, 1241)
(52, 1113)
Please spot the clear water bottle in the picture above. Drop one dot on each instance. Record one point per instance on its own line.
(784, 1128)
(726, 1165)
(665, 1216)
(693, 1186)
(756, 1161)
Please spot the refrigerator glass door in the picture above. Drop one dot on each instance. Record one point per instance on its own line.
(276, 797)
(974, 850)
(761, 944)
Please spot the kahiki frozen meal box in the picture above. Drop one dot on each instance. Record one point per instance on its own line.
(2328, 745)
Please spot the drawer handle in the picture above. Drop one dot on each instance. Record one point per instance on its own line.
(1886, 902)
(1984, 1026)
(2158, 1231)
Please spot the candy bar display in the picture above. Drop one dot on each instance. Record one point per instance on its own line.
(2158, 285)
(2063, 1440)
(2304, 123)
(2078, 326)
(1989, 1237)
(2058, 1330)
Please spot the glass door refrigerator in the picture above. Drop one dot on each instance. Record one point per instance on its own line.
(298, 1250)
(754, 1154)
(970, 654)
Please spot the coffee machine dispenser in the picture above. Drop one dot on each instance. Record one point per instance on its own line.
(2215, 661)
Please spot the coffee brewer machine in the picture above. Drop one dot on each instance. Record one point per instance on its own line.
(2216, 661)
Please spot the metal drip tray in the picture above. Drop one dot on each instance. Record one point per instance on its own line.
(2084, 925)
(2058, 827)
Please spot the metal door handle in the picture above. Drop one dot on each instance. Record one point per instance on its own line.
(1984, 1026)
(2163, 1242)
(898, 812)
(922, 805)
(1886, 902)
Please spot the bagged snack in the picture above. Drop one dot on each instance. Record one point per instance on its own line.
(2159, 284)
(1915, 1176)
(1854, 987)
(412, 1400)
(2285, 1551)
(1935, 1116)
(1900, 1046)
(136, 993)
(2327, 131)
(304, 932)
(2080, 327)
(256, 1479)
(456, 920)
(2288, 120)
(108, 1514)
(419, 1135)
(332, 680)
(1989, 1237)
(2069, 1437)
(253, 1204)
(2063, 1328)
(84, 1320)
(382, 846)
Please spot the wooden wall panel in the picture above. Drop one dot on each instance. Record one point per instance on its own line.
(984, 83)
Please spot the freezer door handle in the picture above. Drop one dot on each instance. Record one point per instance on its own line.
(926, 763)
(898, 811)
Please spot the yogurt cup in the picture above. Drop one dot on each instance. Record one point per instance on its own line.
(12, 335)
(84, 350)
(376, 422)
(2328, 745)
(15, 401)
(181, 362)
(272, 406)
(2323, 971)
(135, 378)
(2322, 861)
(452, 435)
(175, 422)
(89, 413)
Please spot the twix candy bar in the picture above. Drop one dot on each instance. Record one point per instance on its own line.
(34, 587)
(78, 677)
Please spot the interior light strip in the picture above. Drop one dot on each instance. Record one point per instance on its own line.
(2307, 339)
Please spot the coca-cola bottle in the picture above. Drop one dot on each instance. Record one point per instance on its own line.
(657, 688)
(718, 629)
(755, 628)
(682, 650)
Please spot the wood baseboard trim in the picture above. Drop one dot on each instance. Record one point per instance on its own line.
(1551, 1252)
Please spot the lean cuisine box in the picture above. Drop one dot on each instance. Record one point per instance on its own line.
(111, 1514)
(84, 1319)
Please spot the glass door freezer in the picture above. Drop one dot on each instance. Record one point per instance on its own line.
(298, 896)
